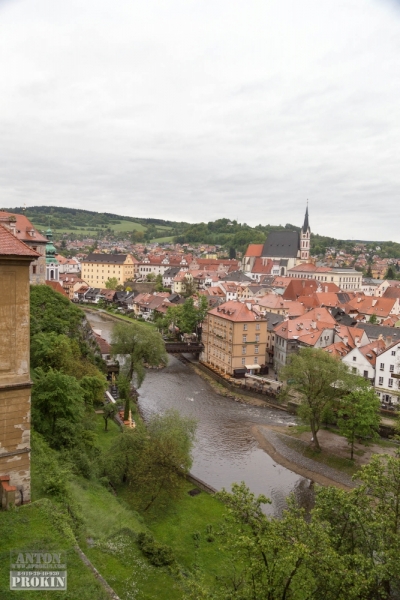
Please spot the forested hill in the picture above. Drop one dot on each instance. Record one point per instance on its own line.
(223, 232)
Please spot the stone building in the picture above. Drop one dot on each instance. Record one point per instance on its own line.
(98, 268)
(22, 228)
(234, 338)
(15, 382)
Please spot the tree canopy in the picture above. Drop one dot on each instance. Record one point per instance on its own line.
(140, 344)
(318, 379)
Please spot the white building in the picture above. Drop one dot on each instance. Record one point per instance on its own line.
(387, 381)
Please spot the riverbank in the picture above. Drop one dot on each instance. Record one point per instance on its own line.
(292, 450)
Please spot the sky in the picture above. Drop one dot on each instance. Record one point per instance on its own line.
(196, 110)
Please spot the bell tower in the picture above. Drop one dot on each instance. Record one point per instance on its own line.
(305, 239)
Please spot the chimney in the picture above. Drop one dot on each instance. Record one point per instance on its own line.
(374, 302)
(345, 340)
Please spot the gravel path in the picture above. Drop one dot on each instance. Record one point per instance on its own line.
(277, 440)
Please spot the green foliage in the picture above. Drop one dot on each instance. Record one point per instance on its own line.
(319, 379)
(109, 412)
(111, 283)
(57, 400)
(141, 345)
(158, 554)
(373, 319)
(187, 317)
(53, 313)
(359, 416)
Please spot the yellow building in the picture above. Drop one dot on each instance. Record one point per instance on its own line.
(234, 337)
(15, 381)
(98, 268)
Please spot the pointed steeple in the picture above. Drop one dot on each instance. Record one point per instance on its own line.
(306, 225)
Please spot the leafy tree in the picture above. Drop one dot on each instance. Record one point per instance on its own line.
(140, 345)
(165, 458)
(111, 283)
(373, 319)
(93, 388)
(109, 412)
(55, 396)
(151, 277)
(319, 379)
(390, 273)
(359, 416)
(124, 389)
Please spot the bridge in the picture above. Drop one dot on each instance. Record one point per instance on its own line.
(184, 348)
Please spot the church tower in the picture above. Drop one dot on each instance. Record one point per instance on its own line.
(51, 261)
(305, 239)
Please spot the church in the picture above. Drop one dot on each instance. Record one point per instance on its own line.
(281, 251)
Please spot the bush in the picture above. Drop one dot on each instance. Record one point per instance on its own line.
(158, 554)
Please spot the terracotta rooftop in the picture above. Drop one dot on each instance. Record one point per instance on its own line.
(12, 246)
(24, 230)
(234, 311)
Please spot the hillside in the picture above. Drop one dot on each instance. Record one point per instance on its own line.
(231, 235)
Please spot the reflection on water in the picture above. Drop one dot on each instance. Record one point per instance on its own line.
(225, 450)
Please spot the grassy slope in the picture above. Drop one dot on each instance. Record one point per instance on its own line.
(33, 527)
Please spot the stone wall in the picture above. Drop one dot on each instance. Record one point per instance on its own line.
(15, 383)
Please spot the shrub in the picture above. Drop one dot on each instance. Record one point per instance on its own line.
(158, 554)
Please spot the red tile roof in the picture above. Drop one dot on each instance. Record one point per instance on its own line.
(22, 228)
(234, 311)
(57, 287)
(254, 250)
(12, 246)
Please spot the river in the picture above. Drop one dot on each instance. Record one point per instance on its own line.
(225, 450)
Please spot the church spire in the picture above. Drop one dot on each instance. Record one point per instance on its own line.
(306, 225)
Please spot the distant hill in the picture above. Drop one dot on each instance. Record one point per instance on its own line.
(231, 235)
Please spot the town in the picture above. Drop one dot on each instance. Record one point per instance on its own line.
(261, 307)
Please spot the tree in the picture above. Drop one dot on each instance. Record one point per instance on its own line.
(124, 389)
(390, 274)
(55, 396)
(373, 319)
(359, 416)
(111, 283)
(109, 412)
(165, 458)
(319, 379)
(368, 274)
(140, 345)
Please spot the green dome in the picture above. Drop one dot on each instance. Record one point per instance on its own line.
(50, 248)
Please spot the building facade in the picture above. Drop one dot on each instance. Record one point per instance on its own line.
(23, 230)
(98, 268)
(15, 381)
(234, 338)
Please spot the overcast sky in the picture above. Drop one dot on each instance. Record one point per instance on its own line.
(195, 110)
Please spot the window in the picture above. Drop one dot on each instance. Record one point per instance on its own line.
(256, 360)
(257, 337)
(354, 358)
(34, 269)
(256, 349)
(391, 368)
(243, 361)
(390, 383)
(257, 326)
(244, 339)
(382, 366)
(244, 350)
(393, 352)
(354, 369)
(366, 374)
(380, 380)
(245, 327)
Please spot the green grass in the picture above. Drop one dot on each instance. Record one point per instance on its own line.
(168, 238)
(35, 527)
(176, 523)
(112, 528)
(330, 460)
(106, 438)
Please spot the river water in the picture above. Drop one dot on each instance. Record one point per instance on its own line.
(225, 450)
